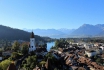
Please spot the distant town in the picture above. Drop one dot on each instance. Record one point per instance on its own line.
(66, 54)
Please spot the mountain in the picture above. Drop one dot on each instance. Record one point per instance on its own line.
(16, 34)
(53, 33)
(88, 30)
(66, 31)
(100, 26)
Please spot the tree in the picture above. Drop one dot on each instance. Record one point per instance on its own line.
(4, 64)
(14, 56)
(45, 45)
(51, 57)
(24, 49)
(98, 60)
(57, 43)
(61, 43)
(42, 63)
(30, 62)
(16, 47)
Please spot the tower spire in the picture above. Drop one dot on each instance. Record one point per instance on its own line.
(32, 35)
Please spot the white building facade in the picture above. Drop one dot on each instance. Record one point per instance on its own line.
(32, 43)
(102, 47)
(90, 54)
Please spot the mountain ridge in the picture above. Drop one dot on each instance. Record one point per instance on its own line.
(86, 30)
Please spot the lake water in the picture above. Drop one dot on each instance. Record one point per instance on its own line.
(49, 45)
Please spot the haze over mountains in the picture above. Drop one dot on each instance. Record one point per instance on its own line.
(53, 33)
(86, 30)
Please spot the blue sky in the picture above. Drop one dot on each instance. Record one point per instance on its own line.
(46, 14)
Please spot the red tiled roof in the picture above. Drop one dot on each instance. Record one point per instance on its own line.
(81, 68)
(48, 64)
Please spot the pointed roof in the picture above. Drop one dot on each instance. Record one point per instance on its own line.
(43, 67)
(32, 35)
(48, 64)
(36, 68)
(11, 67)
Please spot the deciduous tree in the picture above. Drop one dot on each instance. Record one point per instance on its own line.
(16, 47)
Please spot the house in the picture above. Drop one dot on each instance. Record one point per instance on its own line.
(7, 53)
(95, 66)
(84, 60)
(88, 46)
(48, 65)
(73, 68)
(81, 68)
(36, 68)
(90, 53)
(102, 47)
(98, 51)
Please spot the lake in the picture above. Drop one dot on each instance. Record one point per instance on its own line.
(49, 45)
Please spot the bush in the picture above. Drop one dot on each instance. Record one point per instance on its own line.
(15, 56)
(4, 64)
(30, 62)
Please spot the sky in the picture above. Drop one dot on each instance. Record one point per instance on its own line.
(47, 14)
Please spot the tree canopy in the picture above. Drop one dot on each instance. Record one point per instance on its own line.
(24, 49)
(4, 64)
(30, 62)
(16, 46)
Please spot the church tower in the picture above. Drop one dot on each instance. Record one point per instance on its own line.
(32, 43)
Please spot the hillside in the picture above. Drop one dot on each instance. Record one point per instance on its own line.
(15, 34)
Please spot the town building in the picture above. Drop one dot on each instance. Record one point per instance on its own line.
(32, 46)
(90, 53)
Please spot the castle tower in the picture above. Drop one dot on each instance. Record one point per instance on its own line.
(32, 43)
